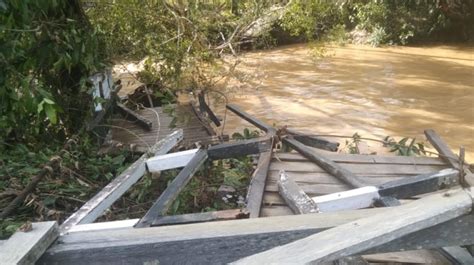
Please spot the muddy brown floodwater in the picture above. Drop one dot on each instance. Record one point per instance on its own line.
(396, 91)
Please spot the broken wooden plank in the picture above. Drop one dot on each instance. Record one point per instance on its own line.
(398, 189)
(27, 247)
(313, 141)
(366, 159)
(447, 155)
(240, 148)
(93, 208)
(457, 255)
(422, 256)
(209, 243)
(132, 116)
(254, 121)
(426, 183)
(328, 165)
(164, 202)
(199, 217)
(354, 260)
(257, 185)
(295, 197)
(366, 233)
(170, 161)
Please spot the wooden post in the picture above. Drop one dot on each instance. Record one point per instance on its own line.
(331, 167)
(448, 156)
(366, 233)
(27, 247)
(93, 208)
(161, 206)
(295, 197)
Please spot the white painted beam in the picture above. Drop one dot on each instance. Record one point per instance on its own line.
(170, 161)
(94, 208)
(347, 200)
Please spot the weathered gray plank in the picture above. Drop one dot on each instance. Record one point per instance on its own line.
(93, 208)
(326, 178)
(257, 185)
(313, 141)
(295, 197)
(366, 233)
(366, 159)
(358, 169)
(27, 247)
(199, 217)
(457, 255)
(211, 243)
(240, 148)
(163, 203)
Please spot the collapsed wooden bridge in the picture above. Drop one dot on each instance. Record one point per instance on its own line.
(319, 207)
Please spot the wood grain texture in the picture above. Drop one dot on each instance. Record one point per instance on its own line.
(365, 159)
(26, 248)
(240, 148)
(216, 242)
(93, 208)
(257, 185)
(199, 217)
(366, 233)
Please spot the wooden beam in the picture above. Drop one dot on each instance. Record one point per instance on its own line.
(164, 202)
(347, 200)
(240, 148)
(254, 121)
(216, 242)
(457, 255)
(200, 217)
(134, 117)
(27, 247)
(294, 196)
(93, 208)
(313, 141)
(425, 183)
(204, 107)
(257, 185)
(170, 161)
(366, 233)
(448, 156)
(331, 167)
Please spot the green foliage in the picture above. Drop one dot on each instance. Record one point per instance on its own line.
(245, 135)
(404, 148)
(47, 49)
(351, 145)
(82, 172)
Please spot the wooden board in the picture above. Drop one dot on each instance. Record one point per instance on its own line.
(27, 247)
(364, 234)
(93, 208)
(130, 133)
(217, 242)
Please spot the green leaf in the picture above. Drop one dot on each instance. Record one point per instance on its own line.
(51, 113)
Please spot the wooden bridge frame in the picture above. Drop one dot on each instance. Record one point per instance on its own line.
(438, 220)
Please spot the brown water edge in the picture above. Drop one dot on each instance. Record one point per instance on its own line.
(396, 91)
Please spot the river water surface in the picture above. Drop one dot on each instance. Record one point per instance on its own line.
(396, 91)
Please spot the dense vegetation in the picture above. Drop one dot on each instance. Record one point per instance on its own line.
(48, 49)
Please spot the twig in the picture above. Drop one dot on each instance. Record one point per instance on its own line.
(47, 169)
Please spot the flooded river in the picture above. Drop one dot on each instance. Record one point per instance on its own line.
(396, 91)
